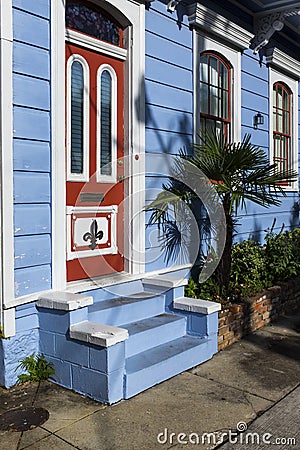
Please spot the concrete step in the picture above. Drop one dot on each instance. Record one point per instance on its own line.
(117, 311)
(148, 333)
(164, 361)
(97, 334)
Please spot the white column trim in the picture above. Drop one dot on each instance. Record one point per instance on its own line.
(58, 144)
(6, 181)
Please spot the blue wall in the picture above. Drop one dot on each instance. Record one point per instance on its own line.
(32, 134)
(255, 220)
(169, 101)
(169, 110)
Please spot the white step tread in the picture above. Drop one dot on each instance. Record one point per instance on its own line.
(98, 334)
(196, 305)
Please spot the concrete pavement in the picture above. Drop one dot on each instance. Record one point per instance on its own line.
(253, 384)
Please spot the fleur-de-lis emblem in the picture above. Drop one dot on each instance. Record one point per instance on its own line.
(93, 235)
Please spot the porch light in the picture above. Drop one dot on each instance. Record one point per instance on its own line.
(258, 119)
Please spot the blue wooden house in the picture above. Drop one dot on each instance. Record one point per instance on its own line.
(95, 97)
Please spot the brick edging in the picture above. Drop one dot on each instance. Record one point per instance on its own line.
(255, 312)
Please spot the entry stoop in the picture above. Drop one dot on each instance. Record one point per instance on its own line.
(114, 348)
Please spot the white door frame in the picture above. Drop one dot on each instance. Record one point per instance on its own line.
(134, 12)
(7, 316)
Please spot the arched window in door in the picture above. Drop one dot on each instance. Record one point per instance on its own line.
(215, 93)
(78, 118)
(87, 18)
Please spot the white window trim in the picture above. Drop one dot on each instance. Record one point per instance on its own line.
(114, 125)
(84, 176)
(274, 77)
(204, 43)
(106, 48)
(7, 316)
(134, 139)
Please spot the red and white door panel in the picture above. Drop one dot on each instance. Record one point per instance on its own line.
(95, 170)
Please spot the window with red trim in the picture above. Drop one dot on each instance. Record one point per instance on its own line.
(282, 138)
(215, 93)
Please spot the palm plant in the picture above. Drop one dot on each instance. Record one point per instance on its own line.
(239, 172)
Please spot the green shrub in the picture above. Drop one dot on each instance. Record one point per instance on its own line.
(254, 267)
(248, 269)
(37, 368)
(282, 255)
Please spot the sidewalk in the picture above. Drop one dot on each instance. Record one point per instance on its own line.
(254, 382)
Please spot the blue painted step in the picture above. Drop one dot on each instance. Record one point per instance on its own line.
(164, 361)
(154, 331)
(121, 310)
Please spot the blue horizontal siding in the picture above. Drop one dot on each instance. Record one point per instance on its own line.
(31, 187)
(31, 155)
(166, 142)
(251, 65)
(31, 92)
(160, 7)
(32, 279)
(168, 51)
(32, 145)
(252, 99)
(166, 26)
(258, 137)
(251, 82)
(168, 97)
(248, 116)
(31, 124)
(30, 29)
(168, 120)
(32, 251)
(38, 7)
(31, 60)
(32, 219)
(160, 71)
(158, 163)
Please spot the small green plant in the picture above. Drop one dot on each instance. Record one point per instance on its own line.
(192, 289)
(1, 333)
(37, 368)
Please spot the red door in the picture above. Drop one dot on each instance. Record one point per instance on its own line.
(95, 171)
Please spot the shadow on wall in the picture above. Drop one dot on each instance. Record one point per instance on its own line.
(294, 220)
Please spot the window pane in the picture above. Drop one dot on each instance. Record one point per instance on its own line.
(276, 146)
(286, 128)
(279, 97)
(214, 101)
(285, 100)
(274, 118)
(106, 125)
(91, 21)
(204, 98)
(77, 86)
(213, 71)
(224, 76)
(224, 104)
(279, 121)
(204, 69)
